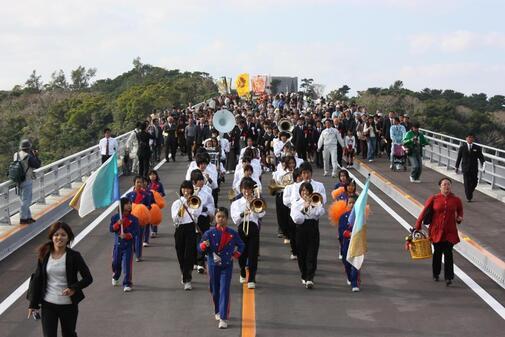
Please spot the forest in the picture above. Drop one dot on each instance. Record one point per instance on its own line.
(63, 116)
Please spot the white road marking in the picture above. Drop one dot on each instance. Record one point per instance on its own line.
(16, 294)
(483, 294)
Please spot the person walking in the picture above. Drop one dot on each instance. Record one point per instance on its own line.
(170, 133)
(29, 160)
(190, 134)
(396, 134)
(132, 147)
(55, 290)
(469, 155)
(414, 141)
(108, 145)
(329, 138)
(446, 211)
(144, 150)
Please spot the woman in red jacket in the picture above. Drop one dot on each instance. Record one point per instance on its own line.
(447, 211)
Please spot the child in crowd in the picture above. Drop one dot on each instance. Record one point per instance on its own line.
(349, 148)
(157, 186)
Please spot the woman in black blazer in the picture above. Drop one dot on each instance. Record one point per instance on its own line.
(54, 287)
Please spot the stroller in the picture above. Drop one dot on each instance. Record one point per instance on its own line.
(399, 158)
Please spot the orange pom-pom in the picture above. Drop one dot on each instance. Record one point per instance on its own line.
(336, 210)
(336, 193)
(142, 213)
(156, 215)
(158, 199)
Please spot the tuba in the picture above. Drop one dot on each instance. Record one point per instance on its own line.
(285, 125)
(223, 121)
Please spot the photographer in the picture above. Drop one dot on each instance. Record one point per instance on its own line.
(414, 141)
(30, 161)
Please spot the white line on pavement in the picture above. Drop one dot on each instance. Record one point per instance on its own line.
(16, 294)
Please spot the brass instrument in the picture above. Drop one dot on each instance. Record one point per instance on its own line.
(256, 205)
(285, 125)
(286, 179)
(231, 194)
(194, 202)
(314, 200)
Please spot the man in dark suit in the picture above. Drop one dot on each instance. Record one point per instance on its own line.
(386, 127)
(468, 155)
(299, 139)
(202, 132)
(170, 133)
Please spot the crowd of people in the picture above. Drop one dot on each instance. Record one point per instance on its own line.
(282, 135)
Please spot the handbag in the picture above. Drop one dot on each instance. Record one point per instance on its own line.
(428, 214)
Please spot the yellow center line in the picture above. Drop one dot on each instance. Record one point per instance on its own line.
(248, 311)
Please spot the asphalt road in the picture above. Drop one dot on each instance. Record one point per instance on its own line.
(398, 296)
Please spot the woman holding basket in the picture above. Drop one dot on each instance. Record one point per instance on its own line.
(445, 210)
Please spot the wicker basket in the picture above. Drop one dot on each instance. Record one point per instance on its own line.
(420, 249)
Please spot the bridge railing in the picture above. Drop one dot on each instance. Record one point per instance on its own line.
(50, 179)
(444, 152)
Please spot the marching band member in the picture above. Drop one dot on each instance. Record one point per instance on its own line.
(306, 217)
(205, 194)
(250, 145)
(221, 243)
(140, 196)
(246, 171)
(249, 231)
(289, 150)
(286, 200)
(125, 230)
(353, 275)
(147, 228)
(306, 175)
(184, 216)
(279, 144)
(155, 185)
(288, 165)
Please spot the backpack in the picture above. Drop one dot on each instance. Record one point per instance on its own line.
(17, 172)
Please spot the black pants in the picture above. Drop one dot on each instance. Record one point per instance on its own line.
(307, 246)
(249, 257)
(445, 248)
(292, 236)
(144, 164)
(215, 195)
(185, 245)
(189, 147)
(66, 314)
(319, 159)
(104, 158)
(340, 154)
(170, 147)
(204, 224)
(470, 180)
(282, 215)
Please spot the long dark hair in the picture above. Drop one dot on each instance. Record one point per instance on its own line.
(48, 246)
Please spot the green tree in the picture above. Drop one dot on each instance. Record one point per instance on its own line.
(58, 81)
(34, 83)
(81, 77)
(307, 86)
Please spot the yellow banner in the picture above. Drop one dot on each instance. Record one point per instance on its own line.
(242, 84)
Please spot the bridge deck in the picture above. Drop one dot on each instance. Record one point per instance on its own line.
(483, 217)
(398, 297)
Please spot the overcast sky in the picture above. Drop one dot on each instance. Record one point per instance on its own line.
(446, 44)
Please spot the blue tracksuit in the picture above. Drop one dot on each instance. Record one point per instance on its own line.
(342, 225)
(122, 254)
(222, 244)
(352, 273)
(158, 187)
(146, 198)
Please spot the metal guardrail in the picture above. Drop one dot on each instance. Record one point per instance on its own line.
(51, 178)
(444, 152)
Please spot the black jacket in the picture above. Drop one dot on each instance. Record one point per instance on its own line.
(470, 158)
(74, 264)
(299, 140)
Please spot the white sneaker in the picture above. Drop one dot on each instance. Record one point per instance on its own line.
(242, 279)
(145, 244)
(138, 259)
(222, 324)
(115, 283)
(251, 285)
(293, 257)
(325, 174)
(417, 181)
(127, 289)
(411, 179)
(200, 269)
(286, 241)
(187, 286)
(355, 289)
(348, 282)
(309, 284)
(339, 256)
(218, 318)
(370, 160)
(304, 282)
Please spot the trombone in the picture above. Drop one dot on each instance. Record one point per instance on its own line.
(256, 205)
